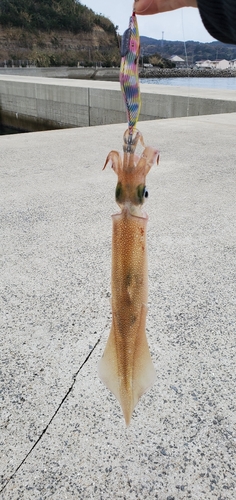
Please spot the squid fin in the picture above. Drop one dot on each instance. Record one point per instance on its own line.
(142, 373)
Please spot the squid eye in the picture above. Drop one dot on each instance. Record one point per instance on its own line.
(119, 192)
(142, 193)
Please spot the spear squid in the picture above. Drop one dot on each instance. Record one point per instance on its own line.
(126, 367)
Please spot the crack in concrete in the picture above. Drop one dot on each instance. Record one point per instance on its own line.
(51, 419)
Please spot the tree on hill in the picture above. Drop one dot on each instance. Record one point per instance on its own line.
(160, 62)
(47, 15)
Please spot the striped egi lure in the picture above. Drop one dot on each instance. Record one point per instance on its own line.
(129, 81)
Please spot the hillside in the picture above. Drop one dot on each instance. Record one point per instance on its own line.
(196, 51)
(65, 32)
(55, 32)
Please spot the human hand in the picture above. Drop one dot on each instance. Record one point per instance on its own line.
(145, 7)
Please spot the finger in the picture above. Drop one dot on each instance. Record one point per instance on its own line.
(145, 7)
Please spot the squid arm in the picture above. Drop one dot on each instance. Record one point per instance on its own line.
(126, 367)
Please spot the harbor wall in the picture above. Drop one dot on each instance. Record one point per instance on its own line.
(38, 103)
(112, 74)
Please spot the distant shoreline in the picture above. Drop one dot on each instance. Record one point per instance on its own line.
(112, 74)
(185, 72)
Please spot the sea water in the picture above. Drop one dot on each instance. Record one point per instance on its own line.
(10, 130)
(222, 83)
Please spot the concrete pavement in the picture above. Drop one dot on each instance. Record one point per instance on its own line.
(55, 229)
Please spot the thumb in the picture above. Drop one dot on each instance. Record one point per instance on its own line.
(145, 7)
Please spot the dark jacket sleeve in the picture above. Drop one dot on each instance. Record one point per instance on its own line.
(219, 18)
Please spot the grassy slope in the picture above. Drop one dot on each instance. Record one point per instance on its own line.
(55, 32)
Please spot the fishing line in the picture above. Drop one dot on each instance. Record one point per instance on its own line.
(186, 58)
(51, 419)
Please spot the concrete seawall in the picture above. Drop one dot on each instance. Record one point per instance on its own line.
(37, 103)
(111, 74)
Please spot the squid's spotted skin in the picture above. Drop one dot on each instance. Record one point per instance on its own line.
(126, 367)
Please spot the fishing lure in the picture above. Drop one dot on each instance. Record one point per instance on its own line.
(126, 367)
(129, 80)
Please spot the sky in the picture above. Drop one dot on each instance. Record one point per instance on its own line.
(182, 24)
